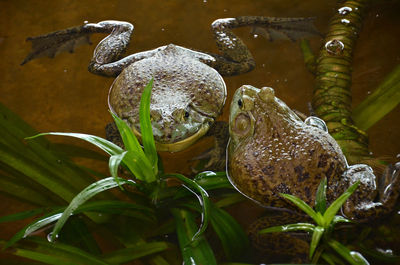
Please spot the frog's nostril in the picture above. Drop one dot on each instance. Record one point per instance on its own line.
(267, 93)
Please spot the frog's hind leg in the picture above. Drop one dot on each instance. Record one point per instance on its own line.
(291, 246)
(236, 57)
(107, 56)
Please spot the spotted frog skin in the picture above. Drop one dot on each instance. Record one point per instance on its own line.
(188, 90)
(271, 151)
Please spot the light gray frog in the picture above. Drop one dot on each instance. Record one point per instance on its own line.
(188, 91)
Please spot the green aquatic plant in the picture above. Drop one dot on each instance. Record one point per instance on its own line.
(156, 208)
(325, 219)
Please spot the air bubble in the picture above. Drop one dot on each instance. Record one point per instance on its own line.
(334, 46)
(49, 237)
(255, 36)
(345, 21)
(345, 10)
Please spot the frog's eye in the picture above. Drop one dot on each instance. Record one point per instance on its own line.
(242, 125)
(186, 115)
(240, 103)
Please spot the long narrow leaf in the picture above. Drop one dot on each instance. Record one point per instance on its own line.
(57, 254)
(37, 172)
(114, 162)
(210, 180)
(141, 167)
(85, 195)
(320, 199)
(138, 211)
(128, 254)
(335, 206)
(352, 257)
(316, 237)
(21, 215)
(203, 200)
(383, 100)
(193, 252)
(303, 206)
(107, 146)
(232, 236)
(145, 126)
(13, 131)
(289, 228)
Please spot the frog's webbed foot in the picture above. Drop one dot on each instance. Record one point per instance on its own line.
(366, 204)
(286, 29)
(271, 245)
(56, 42)
(236, 57)
(216, 156)
(107, 56)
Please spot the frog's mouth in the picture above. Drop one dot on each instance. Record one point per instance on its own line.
(180, 144)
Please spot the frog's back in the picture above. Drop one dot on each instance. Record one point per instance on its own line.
(268, 165)
(180, 81)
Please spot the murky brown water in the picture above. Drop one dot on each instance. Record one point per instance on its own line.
(61, 95)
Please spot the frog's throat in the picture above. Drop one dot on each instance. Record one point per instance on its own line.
(180, 145)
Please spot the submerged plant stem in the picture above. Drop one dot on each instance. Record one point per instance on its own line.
(332, 93)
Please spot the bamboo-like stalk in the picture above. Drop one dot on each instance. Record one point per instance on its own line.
(332, 93)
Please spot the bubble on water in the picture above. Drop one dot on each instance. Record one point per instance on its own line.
(255, 36)
(334, 46)
(49, 237)
(345, 21)
(345, 10)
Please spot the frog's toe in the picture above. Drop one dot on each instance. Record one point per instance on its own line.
(212, 159)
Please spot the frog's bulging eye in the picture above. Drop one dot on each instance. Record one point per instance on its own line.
(186, 114)
(240, 103)
(242, 124)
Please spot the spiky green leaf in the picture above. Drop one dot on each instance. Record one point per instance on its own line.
(320, 199)
(316, 237)
(85, 195)
(145, 126)
(289, 228)
(203, 200)
(303, 206)
(193, 252)
(335, 206)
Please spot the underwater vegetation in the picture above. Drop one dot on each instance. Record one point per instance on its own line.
(155, 205)
(153, 217)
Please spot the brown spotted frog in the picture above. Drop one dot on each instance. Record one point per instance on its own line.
(188, 90)
(271, 151)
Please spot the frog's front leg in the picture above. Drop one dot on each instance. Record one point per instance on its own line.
(216, 156)
(107, 56)
(236, 57)
(366, 204)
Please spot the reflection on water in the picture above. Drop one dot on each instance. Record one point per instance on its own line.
(61, 95)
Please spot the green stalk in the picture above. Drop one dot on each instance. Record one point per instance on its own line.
(332, 93)
(385, 98)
